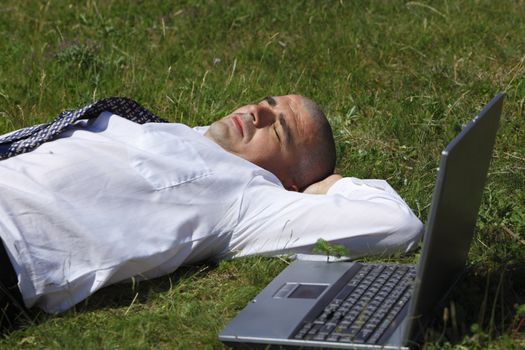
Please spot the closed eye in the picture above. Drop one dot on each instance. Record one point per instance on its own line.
(285, 130)
(276, 133)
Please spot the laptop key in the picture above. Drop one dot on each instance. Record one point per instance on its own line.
(320, 320)
(347, 289)
(306, 327)
(327, 329)
(363, 335)
(345, 323)
(332, 337)
(299, 335)
(314, 329)
(319, 337)
(345, 339)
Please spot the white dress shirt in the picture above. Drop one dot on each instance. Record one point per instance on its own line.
(112, 199)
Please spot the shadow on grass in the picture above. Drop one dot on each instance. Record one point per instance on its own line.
(138, 292)
(481, 306)
(118, 295)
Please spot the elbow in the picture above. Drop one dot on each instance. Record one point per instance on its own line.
(412, 232)
(406, 231)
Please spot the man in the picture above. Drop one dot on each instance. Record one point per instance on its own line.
(111, 199)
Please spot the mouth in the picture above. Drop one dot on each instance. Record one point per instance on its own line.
(238, 124)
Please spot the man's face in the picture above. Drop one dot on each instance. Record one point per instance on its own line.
(273, 134)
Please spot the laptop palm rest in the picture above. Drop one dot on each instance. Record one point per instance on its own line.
(299, 293)
(300, 290)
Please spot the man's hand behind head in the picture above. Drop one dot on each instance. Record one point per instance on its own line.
(323, 186)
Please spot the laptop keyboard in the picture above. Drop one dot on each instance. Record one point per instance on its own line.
(364, 308)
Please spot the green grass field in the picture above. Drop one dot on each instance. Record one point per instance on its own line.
(397, 79)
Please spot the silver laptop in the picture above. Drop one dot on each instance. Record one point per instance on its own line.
(347, 305)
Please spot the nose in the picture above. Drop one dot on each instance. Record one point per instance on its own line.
(262, 116)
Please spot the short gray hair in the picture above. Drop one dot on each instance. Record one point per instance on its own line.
(319, 159)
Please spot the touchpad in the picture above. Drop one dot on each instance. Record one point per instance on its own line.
(308, 291)
(300, 290)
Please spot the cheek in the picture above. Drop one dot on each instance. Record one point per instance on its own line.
(262, 151)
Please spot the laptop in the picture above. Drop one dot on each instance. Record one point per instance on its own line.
(352, 305)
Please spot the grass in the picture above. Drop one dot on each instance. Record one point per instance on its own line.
(397, 79)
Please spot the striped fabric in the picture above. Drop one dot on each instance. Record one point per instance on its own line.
(27, 139)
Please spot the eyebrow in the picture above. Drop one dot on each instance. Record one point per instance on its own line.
(271, 101)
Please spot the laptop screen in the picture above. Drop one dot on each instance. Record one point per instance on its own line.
(454, 210)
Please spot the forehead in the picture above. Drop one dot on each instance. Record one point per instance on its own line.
(297, 117)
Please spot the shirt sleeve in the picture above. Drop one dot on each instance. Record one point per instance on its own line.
(366, 216)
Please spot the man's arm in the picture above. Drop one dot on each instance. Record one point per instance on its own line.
(366, 216)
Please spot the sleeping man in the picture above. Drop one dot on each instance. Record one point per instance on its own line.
(108, 198)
